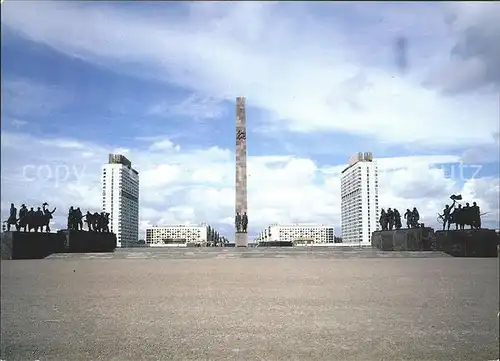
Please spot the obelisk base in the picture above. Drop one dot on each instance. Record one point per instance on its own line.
(241, 239)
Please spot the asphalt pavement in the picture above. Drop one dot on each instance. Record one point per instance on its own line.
(250, 304)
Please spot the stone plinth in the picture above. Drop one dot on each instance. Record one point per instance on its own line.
(276, 244)
(30, 245)
(412, 239)
(7, 240)
(241, 239)
(468, 242)
(89, 241)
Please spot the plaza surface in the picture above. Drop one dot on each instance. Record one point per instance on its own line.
(250, 304)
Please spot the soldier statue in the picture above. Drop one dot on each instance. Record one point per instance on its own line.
(407, 216)
(476, 216)
(390, 218)
(237, 222)
(461, 216)
(415, 218)
(244, 222)
(12, 217)
(47, 216)
(383, 220)
(23, 217)
(397, 219)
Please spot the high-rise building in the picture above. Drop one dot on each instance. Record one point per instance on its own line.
(297, 233)
(359, 199)
(120, 198)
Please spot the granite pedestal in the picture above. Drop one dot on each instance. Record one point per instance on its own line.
(88, 241)
(30, 245)
(407, 239)
(276, 244)
(241, 239)
(469, 242)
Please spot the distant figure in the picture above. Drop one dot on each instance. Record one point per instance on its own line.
(447, 216)
(476, 216)
(458, 217)
(71, 217)
(79, 219)
(467, 214)
(12, 217)
(237, 222)
(23, 217)
(89, 220)
(47, 216)
(30, 218)
(415, 217)
(397, 219)
(383, 220)
(244, 222)
(407, 216)
(390, 218)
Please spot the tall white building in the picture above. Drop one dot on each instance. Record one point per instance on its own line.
(120, 198)
(181, 235)
(359, 195)
(297, 233)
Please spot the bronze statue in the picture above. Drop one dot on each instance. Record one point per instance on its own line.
(237, 222)
(30, 219)
(397, 219)
(12, 217)
(415, 218)
(23, 219)
(244, 223)
(390, 219)
(383, 220)
(95, 222)
(461, 216)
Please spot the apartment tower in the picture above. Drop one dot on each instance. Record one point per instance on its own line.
(120, 198)
(359, 199)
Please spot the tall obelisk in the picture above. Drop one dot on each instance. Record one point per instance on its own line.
(241, 236)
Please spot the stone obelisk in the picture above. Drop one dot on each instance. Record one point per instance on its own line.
(241, 236)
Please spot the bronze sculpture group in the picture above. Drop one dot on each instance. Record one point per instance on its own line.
(391, 219)
(241, 222)
(460, 216)
(29, 219)
(39, 220)
(96, 222)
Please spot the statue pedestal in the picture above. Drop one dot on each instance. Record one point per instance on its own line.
(412, 239)
(241, 239)
(88, 241)
(7, 240)
(469, 242)
(30, 245)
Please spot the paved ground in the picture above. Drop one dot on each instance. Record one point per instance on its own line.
(287, 305)
(259, 252)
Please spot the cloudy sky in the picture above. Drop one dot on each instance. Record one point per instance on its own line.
(158, 81)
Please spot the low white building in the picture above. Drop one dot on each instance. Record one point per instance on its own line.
(181, 235)
(299, 234)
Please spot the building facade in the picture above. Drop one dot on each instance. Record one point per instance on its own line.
(182, 235)
(359, 199)
(120, 198)
(299, 234)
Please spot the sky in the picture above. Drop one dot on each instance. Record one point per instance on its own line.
(157, 82)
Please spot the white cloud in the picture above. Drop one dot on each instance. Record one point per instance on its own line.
(284, 59)
(193, 107)
(198, 185)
